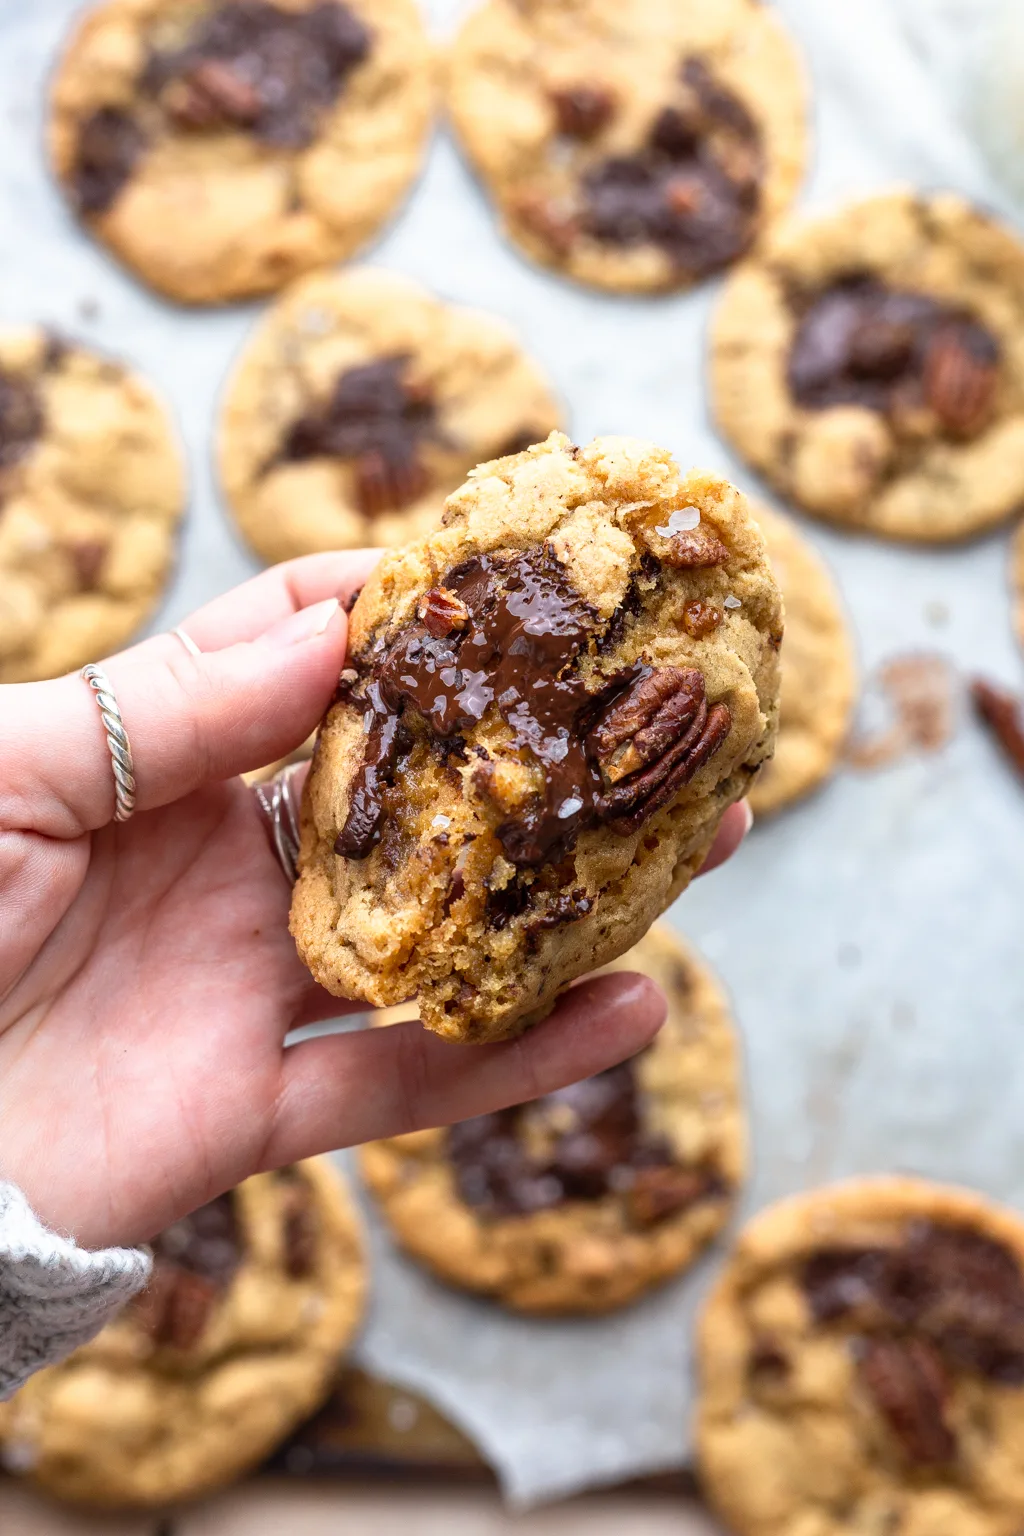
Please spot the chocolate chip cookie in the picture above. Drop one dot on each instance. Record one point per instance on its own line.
(549, 705)
(818, 673)
(222, 147)
(869, 364)
(862, 1367)
(361, 402)
(92, 489)
(233, 1344)
(630, 144)
(583, 1200)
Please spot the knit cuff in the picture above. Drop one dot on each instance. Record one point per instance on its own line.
(54, 1297)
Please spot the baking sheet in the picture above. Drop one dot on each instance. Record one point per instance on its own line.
(871, 940)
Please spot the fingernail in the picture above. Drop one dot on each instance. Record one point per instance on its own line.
(307, 624)
(749, 815)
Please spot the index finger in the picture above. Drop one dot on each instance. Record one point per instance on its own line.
(249, 610)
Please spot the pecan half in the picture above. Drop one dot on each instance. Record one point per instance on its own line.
(1003, 714)
(657, 1193)
(387, 484)
(442, 613)
(906, 1381)
(959, 385)
(210, 95)
(695, 550)
(581, 111)
(176, 1306)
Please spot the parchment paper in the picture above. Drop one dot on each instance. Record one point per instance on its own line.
(872, 939)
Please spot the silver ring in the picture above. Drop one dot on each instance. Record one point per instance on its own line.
(278, 803)
(187, 641)
(117, 741)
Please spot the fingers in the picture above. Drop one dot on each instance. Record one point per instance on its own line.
(251, 609)
(735, 825)
(346, 1089)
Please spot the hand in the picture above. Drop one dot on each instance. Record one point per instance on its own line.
(147, 976)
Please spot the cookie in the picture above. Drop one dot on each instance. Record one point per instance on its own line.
(584, 1200)
(633, 145)
(221, 149)
(1017, 577)
(871, 365)
(862, 1367)
(818, 673)
(550, 704)
(235, 1342)
(92, 489)
(361, 402)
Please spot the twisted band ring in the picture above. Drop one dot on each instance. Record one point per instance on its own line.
(117, 741)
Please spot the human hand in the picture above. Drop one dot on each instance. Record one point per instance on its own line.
(147, 977)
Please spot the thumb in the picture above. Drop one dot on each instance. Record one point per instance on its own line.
(190, 720)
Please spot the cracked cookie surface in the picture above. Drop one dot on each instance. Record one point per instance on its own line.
(360, 403)
(584, 1200)
(635, 145)
(818, 670)
(861, 1366)
(92, 488)
(870, 364)
(221, 148)
(233, 1344)
(550, 703)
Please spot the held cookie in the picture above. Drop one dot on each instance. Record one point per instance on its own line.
(862, 1367)
(92, 488)
(870, 364)
(235, 1342)
(818, 673)
(550, 704)
(220, 149)
(361, 402)
(631, 144)
(583, 1200)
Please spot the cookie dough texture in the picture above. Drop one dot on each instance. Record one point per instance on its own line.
(485, 861)
(590, 1255)
(602, 160)
(931, 468)
(360, 403)
(818, 670)
(210, 154)
(92, 489)
(820, 1414)
(136, 1420)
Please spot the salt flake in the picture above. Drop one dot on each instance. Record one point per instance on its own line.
(681, 520)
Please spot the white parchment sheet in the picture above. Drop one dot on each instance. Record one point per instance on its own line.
(872, 940)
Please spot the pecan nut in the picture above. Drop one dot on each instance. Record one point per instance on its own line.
(387, 483)
(959, 384)
(176, 1307)
(212, 94)
(659, 1192)
(906, 1381)
(442, 613)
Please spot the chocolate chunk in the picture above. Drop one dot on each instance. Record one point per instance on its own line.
(378, 422)
(301, 1227)
(583, 110)
(21, 419)
(207, 1243)
(110, 145)
(841, 1281)
(195, 1261)
(250, 65)
(657, 1193)
(907, 1383)
(861, 343)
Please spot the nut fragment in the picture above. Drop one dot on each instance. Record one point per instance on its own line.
(659, 1192)
(906, 1380)
(210, 95)
(959, 385)
(442, 613)
(701, 619)
(1002, 713)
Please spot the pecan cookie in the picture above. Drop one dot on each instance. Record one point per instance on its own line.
(92, 489)
(631, 144)
(234, 1343)
(818, 673)
(361, 402)
(583, 1200)
(870, 365)
(550, 704)
(862, 1367)
(222, 147)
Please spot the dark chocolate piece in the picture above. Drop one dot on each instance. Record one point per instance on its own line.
(110, 144)
(21, 419)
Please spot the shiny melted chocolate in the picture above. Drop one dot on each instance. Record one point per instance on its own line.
(526, 628)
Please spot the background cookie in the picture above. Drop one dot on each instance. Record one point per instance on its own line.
(871, 365)
(550, 704)
(91, 493)
(233, 1344)
(862, 1366)
(360, 403)
(222, 149)
(818, 675)
(634, 145)
(585, 1199)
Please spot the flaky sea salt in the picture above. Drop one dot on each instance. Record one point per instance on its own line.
(732, 602)
(441, 822)
(681, 520)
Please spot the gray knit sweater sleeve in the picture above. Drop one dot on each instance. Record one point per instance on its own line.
(54, 1297)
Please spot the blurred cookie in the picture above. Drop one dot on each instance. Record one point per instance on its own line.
(220, 149)
(630, 144)
(869, 363)
(92, 488)
(818, 675)
(861, 1367)
(234, 1343)
(361, 402)
(583, 1200)
(550, 704)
